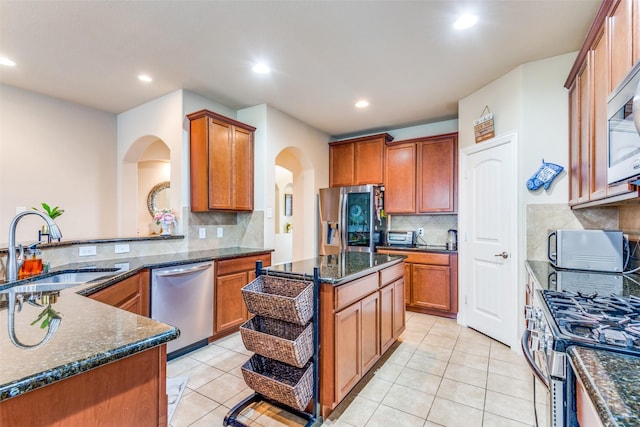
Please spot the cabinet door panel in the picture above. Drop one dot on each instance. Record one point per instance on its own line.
(387, 335)
(400, 179)
(574, 146)
(348, 362)
(599, 163)
(242, 193)
(431, 287)
(369, 161)
(230, 310)
(370, 331)
(220, 155)
(620, 33)
(436, 175)
(584, 121)
(199, 165)
(398, 308)
(341, 165)
(131, 294)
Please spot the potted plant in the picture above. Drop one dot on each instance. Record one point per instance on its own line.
(52, 212)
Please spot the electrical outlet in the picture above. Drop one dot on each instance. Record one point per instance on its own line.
(121, 249)
(202, 233)
(420, 231)
(122, 266)
(220, 232)
(86, 250)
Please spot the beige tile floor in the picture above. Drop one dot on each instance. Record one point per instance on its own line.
(440, 374)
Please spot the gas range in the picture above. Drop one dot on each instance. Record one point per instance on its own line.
(570, 307)
(610, 322)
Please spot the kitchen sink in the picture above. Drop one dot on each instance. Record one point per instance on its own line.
(72, 278)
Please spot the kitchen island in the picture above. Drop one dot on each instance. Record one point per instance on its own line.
(101, 363)
(362, 313)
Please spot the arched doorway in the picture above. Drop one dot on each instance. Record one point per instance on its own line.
(146, 164)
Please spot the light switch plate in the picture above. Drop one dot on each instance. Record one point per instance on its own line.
(121, 248)
(220, 232)
(202, 233)
(86, 250)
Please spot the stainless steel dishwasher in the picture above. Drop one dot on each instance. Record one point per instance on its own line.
(182, 296)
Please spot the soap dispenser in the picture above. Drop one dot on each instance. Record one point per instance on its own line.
(32, 264)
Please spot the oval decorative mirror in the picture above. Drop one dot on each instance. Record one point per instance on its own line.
(158, 197)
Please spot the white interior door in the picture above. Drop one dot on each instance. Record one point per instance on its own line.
(489, 242)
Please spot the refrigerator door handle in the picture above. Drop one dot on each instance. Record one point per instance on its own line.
(343, 221)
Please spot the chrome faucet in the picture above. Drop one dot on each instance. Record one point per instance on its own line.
(13, 265)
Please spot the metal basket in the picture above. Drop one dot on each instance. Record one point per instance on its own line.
(279, 298)
(278, 381)
(284, 341)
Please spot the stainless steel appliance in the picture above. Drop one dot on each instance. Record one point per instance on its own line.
(598, 250)
(351, 219)
(182, 296)
(598, 310)
(623, 109)
(401, 238)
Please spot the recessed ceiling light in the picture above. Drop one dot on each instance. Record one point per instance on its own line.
(261, 68)
(6, 61)
(362, 103)
(465, 21)
(145, 78)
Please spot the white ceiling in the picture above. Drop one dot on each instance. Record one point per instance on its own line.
(403, 56)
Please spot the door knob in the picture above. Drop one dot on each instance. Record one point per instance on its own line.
(503, 254)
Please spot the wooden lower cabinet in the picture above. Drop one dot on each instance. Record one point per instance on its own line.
(231, 275)
(431, 281)
(360, 320)
(130, 294)
(127, 392)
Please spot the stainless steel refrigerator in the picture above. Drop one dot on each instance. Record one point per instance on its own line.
(351, 219)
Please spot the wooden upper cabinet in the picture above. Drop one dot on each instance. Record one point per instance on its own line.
(400, 178)
(357, 161)
(437, 174)
(599, 127)
(341, 165)
(605, 59)
(221, 169)
(574, 146)
(420, 175)
(636, 31)
(620, 31)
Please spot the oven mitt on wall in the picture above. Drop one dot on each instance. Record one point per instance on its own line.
(544, 176)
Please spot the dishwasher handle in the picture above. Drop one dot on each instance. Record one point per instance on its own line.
(183, 271)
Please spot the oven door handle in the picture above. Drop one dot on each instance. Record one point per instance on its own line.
(530, 359)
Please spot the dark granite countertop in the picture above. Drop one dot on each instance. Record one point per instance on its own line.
(91, 333)
(612, 381)
(339, 268)
(548, 277)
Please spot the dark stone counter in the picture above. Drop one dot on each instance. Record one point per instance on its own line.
(337, 269)
(612, 381)
(91, 333)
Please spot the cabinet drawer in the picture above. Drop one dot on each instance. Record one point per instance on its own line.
(120, 292)
(390, 274)
(353, 291)
(236, 265)
(420, 257)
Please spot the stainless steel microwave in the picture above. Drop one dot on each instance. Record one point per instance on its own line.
(623, 112)
(594, 250)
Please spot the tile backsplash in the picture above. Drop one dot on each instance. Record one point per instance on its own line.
(435, 226)
(542, 218)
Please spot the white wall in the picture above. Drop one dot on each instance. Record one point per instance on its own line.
(277, 131)
(531, 100)
(545, 125)
(60, 153)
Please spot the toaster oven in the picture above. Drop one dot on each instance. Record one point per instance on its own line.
(401, 238)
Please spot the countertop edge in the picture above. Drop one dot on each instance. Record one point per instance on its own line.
(50, 376)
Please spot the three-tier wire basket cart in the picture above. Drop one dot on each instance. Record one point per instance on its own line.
(284, 336)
